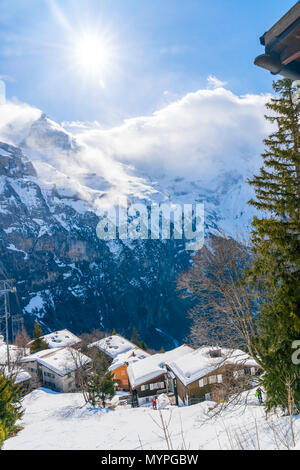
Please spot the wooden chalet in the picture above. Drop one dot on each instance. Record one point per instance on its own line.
(120, 364)
(210, 374)
(149, 377)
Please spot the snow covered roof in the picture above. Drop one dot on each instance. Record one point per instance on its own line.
(20, 375)
(60, 360)
(37, 355)
(60, 339)
(146, 370)
(133, 355)
(113, 345)
(200, 363)
(14, 353)
(174, 354)
(154, 366)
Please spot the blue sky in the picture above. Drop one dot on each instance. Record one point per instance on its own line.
(155, 51)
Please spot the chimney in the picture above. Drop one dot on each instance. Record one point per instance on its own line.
(215, 353)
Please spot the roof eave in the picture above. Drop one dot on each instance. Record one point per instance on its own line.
(272, 63)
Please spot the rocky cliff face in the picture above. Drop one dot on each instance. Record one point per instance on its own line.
(67, 277)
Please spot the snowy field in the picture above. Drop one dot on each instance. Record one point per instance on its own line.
(62, 421)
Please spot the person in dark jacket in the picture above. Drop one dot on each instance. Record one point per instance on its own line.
(258, 394)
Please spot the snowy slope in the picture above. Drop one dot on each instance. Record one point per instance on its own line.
(63, 421)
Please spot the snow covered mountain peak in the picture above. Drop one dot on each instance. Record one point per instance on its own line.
(45, 135)
(65, 275)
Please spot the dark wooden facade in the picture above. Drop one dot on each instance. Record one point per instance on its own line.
(144, 392)
(217, 391)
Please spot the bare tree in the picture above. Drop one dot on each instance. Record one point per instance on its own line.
(87, 373)
(224, 305)
(82, 371)
(16, 368)
(22, 340)
(289, 381)
(88, 338)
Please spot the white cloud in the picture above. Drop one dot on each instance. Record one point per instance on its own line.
(214, 82)
(78, 126)
(15, 121)
(2, 92)
(199, 136)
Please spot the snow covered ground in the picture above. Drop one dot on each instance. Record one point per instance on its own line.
(62, 421)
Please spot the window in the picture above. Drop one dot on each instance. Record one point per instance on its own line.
(47, 374)
(157, 385)
(238, 373)
(146, 387)
(212, 379)
(203, 382)
(220, 378)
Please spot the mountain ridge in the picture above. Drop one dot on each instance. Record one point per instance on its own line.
(65, 275)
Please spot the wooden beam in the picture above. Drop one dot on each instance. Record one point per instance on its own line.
(291, 52)
(292, 15)
(291, 58)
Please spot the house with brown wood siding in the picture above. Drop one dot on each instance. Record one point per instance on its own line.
(120, 364)
(149, 377)
(210, 373)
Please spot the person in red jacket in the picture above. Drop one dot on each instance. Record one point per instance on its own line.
(154, 403)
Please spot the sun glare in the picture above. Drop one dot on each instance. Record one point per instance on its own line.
(93, 55)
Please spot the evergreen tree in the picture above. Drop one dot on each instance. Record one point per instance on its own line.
(100, 389)
(107, 390)
(135, 339)
(276, 246)
(94, 389)
(10, 407)
(135, 336)
(114, 332)
(38, 343)
(2, 435)
(143, 345)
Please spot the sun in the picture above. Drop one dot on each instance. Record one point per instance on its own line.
(93, 55)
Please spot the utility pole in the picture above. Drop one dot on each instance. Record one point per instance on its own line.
(6, 287)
